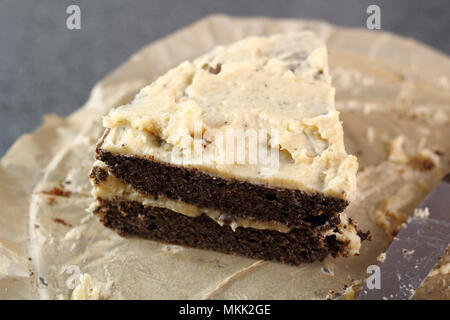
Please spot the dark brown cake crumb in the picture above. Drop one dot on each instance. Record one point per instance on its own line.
(427, 165)
(364, 235)
(62, 221)
(212, 70)
(58, 191)
(333, 295)
(98, 175)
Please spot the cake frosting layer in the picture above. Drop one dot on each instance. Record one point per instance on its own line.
(273, 92)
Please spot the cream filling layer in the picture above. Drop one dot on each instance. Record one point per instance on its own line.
(112, 188)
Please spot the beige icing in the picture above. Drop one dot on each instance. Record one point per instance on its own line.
(278, 86)
(89, 288)
(443, 270)
(112, 188)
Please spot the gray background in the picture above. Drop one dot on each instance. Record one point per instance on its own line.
(46, 68)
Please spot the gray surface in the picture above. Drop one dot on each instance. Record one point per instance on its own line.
(46, 68)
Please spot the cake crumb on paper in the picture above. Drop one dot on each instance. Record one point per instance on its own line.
(57, 191)
(381, 257)
(407, 252)
(396, 152)
(426, 160)
(90, 288)
(444, 269)
(62, 221)
(422, 213)
(351, 292)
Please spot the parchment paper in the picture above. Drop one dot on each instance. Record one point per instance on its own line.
(387, 87)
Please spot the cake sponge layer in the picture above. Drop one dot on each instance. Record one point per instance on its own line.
(109, 188)
(236, 198)
(130, 218)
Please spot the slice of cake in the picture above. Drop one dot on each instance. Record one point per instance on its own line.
(240, 151)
